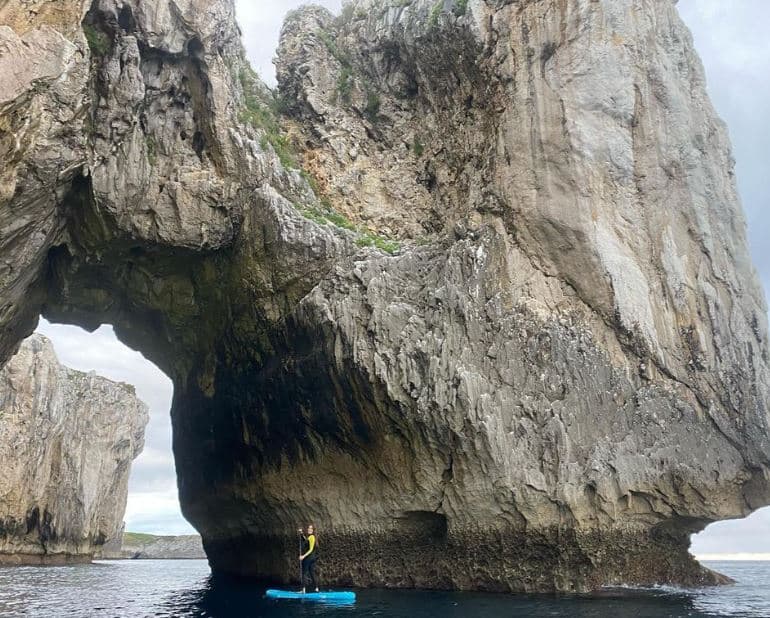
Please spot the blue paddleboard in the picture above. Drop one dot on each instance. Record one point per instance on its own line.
(325, 597)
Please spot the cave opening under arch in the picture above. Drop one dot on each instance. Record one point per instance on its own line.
(153, 503)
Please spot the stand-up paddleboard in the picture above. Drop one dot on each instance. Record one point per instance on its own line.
(324, 597)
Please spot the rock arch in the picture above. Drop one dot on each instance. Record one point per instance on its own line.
(571, 328)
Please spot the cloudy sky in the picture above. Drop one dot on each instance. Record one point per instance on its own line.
(732, 40)
(731, 37)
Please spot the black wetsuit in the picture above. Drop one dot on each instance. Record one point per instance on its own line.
(308, 564)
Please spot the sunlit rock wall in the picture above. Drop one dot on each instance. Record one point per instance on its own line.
(67, 440)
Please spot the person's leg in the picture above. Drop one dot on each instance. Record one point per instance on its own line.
(311, 570)
(305, 567)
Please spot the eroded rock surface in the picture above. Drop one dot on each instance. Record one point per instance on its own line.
(67, 440)
(554, 372)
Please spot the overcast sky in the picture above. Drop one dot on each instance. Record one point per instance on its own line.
(731, 38)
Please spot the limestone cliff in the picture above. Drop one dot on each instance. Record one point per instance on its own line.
(67, 440)
(471, 291)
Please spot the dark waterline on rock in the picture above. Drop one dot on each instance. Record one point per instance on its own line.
(166, 588)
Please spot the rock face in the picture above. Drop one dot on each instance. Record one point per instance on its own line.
(501, 333)
(67, 440)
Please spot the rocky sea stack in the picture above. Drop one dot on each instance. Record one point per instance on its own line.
(471, 290)
(67, 440)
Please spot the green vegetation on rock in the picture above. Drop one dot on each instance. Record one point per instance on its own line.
(346, 80)
(372, 109)
(417, 147)
(368, 239)
(331, 44)
(261, 112)
(460, 7)
(365, 238)
(435, 13)
(344, 85)
(325, 216)
(136, 538)
(152, 149)
(98, 42)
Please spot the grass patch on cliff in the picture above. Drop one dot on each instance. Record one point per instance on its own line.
(347, 78)
(365, 238)
(261, 111)
(137, 538)
(460, 7)
(435, 13)
(340, 221)
(331, 44)
(369, 239)
(344, 89)
(344, 85)
(372, 109)
(98, 42)
(326, 216)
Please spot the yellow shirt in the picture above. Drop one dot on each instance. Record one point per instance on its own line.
(311, 542)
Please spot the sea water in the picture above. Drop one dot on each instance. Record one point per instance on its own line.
(172, 588)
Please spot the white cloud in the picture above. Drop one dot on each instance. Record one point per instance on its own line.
(749, 535)
(156, 512)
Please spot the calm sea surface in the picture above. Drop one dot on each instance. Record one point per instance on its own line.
(184, 588)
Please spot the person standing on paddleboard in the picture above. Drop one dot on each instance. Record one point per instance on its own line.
(308, 559)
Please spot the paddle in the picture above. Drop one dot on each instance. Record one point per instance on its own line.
(301, 582)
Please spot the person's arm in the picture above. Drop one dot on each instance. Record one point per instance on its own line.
(311, 540)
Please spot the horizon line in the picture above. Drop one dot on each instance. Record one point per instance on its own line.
(734, 557)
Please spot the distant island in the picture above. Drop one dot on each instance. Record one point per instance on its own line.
(140, 546)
